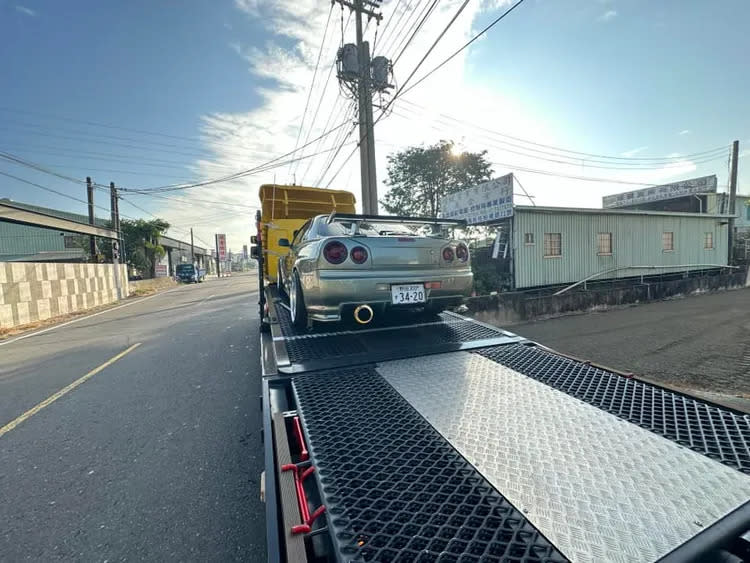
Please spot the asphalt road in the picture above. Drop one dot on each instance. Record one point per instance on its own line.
(700, 343)
(156, 457)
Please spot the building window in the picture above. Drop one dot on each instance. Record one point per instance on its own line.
(70, 241)
(667, 241)
(747, 212)
(604, 244)
(528, 238)
(708, 241)
(552, 244)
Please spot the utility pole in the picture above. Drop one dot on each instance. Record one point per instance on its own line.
(115, 243)
(192, 248)
(90, 198)
(361, 76)
(733, 197)
(218, 262)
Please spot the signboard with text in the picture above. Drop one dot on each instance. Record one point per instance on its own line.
(484, 203)
(221, 246)
(693, 186)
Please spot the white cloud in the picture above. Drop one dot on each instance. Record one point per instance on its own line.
(25, 10)
(243, 140)
(607, 16)
(684, 132)
(632, 152)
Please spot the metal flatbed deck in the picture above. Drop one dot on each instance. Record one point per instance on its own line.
(453, 441)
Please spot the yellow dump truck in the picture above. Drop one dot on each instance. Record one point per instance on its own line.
(284, 209)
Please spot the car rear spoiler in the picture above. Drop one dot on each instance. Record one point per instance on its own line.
(395, 219)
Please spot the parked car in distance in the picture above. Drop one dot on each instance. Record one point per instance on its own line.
(189, 273)
(361, 266)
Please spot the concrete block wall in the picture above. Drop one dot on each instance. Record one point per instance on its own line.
(31, 292)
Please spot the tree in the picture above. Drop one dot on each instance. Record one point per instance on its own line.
(141, 240)
(419, 177)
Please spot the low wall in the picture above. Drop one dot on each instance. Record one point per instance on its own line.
(31, 292)
(514, 307)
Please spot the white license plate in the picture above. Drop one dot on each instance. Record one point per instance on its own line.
(408, 294)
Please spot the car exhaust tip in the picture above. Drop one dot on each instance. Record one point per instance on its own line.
(363, 314)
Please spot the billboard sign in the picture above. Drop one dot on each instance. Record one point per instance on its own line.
(693, 186)
(221, 246)
(484, 203)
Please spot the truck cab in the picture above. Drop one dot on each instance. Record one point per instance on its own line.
(189, 273)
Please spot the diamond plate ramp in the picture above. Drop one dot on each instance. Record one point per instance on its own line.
(394, 489)
(718, 433)
(599, 488)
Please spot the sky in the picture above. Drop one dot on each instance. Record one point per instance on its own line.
(148, 94)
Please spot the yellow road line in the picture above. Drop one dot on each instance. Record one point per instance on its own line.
(67, 389)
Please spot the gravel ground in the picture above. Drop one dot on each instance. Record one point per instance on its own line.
(699, 343)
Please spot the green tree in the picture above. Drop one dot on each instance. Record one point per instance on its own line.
(142, 246)
(419, 177)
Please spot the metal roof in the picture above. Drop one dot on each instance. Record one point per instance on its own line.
(15, 214)
(615, 211)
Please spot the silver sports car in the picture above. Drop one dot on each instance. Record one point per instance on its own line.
(356, 265)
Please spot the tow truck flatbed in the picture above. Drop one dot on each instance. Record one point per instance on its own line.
(449, 440)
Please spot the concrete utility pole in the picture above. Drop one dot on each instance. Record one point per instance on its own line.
(115, 243)
(359, 79)
(90, 198)
(733, 197)
(192, 247)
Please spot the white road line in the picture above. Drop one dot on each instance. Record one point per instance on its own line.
(38, 332)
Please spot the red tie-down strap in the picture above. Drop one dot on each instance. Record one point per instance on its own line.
(300, 475)
(304, 456)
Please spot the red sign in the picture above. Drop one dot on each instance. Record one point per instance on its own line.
(221, 243)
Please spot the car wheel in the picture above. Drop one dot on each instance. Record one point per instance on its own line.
(297, 303)
(280, 279)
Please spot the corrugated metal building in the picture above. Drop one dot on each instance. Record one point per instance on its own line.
(556, 245)
(30, 243)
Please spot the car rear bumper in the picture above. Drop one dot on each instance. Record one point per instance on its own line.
(329, 292)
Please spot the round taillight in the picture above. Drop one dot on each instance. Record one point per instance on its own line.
(359, 255)
(335, 252)
(448, 254)
(462, 252)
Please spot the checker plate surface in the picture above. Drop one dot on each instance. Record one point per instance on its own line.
(394, 489)
(713, 431)
(600, 488)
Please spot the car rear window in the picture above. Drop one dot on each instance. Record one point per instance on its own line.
(342, 228)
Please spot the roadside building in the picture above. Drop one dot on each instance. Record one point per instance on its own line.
(633, 236)
(557, 245)
(29, 243)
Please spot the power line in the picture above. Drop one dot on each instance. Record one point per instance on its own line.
(322, 96)
(242, 173)
(404, 22)
(38, 167)
(387, 24)
(578, 158)
(312, 83)
(703, 158)
(477, 36)
(416, 31)
(85, 137)
(341, 146)
(347, 112)
(398, 92)
(45, 188)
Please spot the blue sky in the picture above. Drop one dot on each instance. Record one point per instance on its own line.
(195, 89)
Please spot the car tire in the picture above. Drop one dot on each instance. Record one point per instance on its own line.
(280, 279)
(297, 303)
